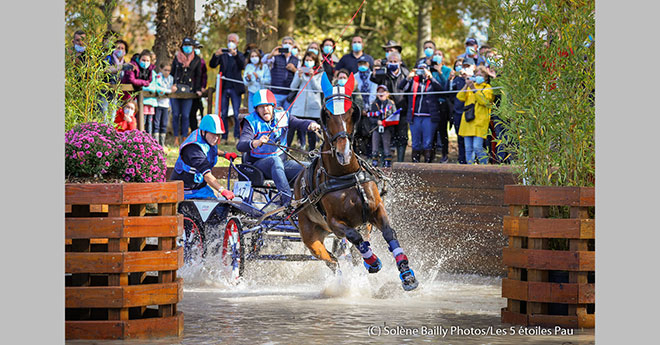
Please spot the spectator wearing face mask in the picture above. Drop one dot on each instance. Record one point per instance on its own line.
(140, 77)
(349, 61)
(125, 117)
(197, 106)
(456, 82)
(368, 89)
(390, 47)
(283, 64)
(186, 72)
(471, 51)
(328, 57)
(232, 63)
(394, 74)
(307, 105)
(477, 93)
(422, 109)
(256, 76)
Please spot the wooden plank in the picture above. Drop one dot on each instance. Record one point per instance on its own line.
(94, 329)
(153, 226)
(514, 289)
(96, 227)
(587, 196)
(515, 226)
(546, 196)
(155, 327)
(541, 259)
(123, 262)
(586, 320)
(543, 320)
(124, 296)
(586, 293)
(513, 318)
(153, 192)
(97, 193)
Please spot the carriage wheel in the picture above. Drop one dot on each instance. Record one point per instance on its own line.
(193, 245)
(232, 247)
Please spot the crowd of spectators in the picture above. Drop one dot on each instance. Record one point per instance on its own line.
(401, 106)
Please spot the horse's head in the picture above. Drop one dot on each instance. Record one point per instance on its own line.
(339, 118)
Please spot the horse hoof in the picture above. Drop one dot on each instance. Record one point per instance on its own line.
(376, 266)
(408, 280)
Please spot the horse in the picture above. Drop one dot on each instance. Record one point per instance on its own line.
(335, 185)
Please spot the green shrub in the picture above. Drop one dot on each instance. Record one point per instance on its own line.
(548, 85)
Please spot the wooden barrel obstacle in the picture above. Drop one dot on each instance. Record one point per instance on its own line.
(121, 260)
(551, 261)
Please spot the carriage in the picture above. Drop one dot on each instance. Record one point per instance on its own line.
(252, 226)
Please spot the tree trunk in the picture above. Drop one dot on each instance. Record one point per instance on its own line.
(287, 15)
(170, 29)
(423, 25)
(267, 9)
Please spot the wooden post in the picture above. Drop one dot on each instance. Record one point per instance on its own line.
(140, 106)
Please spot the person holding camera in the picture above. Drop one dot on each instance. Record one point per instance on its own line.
(422, 109)
(478, 98)
(391, 75)
(389, 47)
(186, 73)
(472, 51)
(232, 63)
(282, 62)
(308, 104)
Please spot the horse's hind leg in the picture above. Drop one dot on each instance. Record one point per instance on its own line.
(312, 236)
(371, 261)
(406, 275)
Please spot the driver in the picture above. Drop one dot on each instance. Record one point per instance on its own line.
(262, 129)
(197, 156)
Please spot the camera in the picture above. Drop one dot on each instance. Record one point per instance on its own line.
(225, 50)
(283, 50)
(127, 67)
(381, 71)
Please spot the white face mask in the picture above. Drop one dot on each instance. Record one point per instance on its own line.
(254, 60)
(128, 111)
(231, 45)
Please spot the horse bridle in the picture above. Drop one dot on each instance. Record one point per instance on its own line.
(341, 134)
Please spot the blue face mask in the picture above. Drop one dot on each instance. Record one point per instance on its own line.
(387, 54)
(187, 49)
(144, 64)
(286, 46)
(119, 53)
(428, 52)
(315, 51)
(470, 50)
(198, 51)
(327, 49)
(421, 71)
(294, 51)
(437, 59)
(392, 67)
(309, 64)
(254, 60)
(458, 68)
(363, 68)
(78, 48)
(357, 47)
(341, 82)
(479, 79)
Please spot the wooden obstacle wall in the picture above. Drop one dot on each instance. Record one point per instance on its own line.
(550, 259)
(455, 211)
(121, 260)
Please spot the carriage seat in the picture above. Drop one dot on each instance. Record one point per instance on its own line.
(254, 175)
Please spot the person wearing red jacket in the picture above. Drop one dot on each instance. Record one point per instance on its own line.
(125, 117)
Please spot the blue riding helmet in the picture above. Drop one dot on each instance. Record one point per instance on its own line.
(264, 96)
(211, 123)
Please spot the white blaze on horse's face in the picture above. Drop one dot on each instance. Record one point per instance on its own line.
(339, 106)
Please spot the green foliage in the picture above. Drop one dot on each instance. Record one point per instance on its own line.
(85, 76)
(548, 88)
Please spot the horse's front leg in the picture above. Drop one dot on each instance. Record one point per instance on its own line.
(371, 261)
(407, 276)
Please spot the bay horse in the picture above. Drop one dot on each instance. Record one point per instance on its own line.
(338, 193)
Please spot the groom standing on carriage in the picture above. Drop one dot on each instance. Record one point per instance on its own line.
(263, 136)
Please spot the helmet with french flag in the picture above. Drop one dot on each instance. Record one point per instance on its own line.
(337, 98)
(264, 96)
(212, 123)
